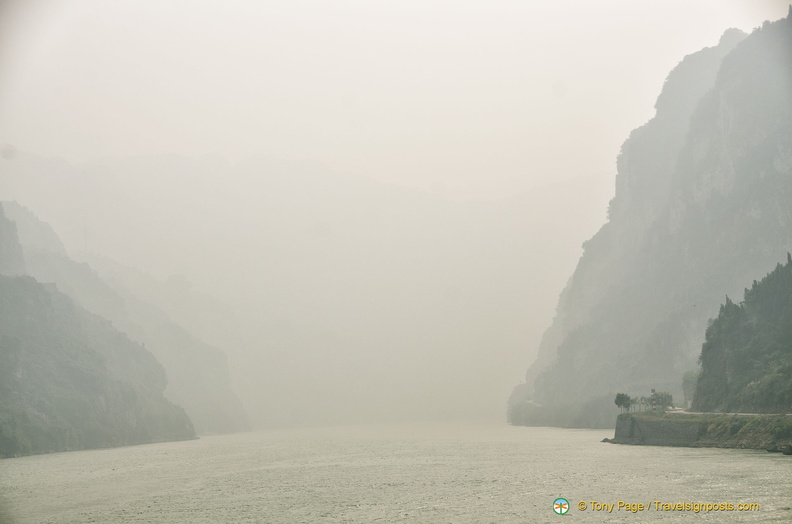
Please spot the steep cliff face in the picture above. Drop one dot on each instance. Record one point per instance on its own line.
(703, 204)
(69, 380)
(197, 373)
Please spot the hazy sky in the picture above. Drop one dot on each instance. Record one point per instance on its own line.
(466, 98)
(348, 291)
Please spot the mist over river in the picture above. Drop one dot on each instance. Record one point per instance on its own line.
(481, 473)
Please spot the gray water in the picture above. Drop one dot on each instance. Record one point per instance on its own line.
(425, 473)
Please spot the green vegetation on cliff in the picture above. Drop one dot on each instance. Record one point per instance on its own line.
(746, 361)
(771, 432)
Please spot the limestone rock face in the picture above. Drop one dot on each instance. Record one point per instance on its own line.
(702, 208)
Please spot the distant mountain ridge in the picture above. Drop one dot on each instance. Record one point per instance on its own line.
(703, 206)
(338, 299)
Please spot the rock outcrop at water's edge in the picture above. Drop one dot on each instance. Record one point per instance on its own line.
(710, 430)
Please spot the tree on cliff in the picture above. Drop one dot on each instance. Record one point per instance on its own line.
(623, 401)
(746, 360)
(663, 400)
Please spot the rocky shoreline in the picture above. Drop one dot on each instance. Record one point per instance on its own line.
(712, 430)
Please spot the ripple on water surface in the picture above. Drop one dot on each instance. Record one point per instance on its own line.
(427, 473)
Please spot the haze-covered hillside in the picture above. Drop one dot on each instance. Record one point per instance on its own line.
(197, 373)
(68, 379)
(337, 298)
(746, 361)
(12, 260)
(703, 206)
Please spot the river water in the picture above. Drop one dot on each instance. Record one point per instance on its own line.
(478, 473)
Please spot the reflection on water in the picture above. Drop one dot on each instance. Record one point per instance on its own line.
(427, 473)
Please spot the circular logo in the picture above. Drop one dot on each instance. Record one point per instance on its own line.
(560, 506)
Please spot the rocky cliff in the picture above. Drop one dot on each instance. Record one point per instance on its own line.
(703, 206)
(68, 379)
(197, 373)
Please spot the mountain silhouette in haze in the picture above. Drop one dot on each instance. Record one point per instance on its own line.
(68, 379)
(338, 299)
(197, 373)
(703, 207)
